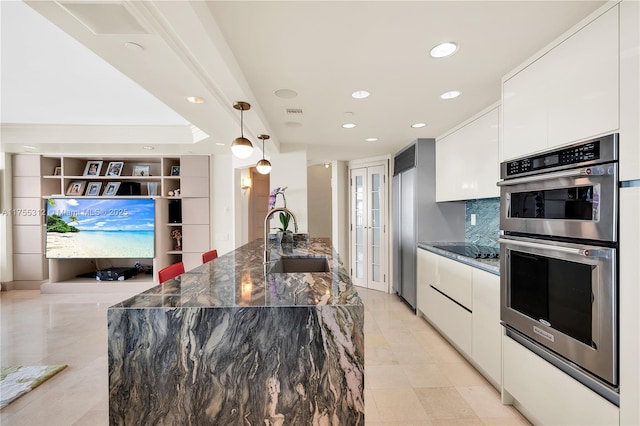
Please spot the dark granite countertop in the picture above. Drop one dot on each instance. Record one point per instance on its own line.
(238, 279)
(489, 265)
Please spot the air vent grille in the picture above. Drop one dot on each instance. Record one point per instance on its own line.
(293, 112)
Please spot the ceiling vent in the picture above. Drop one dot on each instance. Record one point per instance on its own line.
(104, 18)
(293, 112)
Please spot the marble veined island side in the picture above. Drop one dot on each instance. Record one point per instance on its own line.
(227, 344)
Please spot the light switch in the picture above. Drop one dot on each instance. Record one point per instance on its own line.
(473, 219)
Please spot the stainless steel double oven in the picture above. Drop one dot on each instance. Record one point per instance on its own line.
(558, 251)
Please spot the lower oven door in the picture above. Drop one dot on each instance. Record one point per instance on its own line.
(564, 297)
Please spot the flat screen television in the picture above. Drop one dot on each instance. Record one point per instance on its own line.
(83, 228)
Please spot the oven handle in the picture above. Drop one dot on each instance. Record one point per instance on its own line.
(585, 171)
(575, 251)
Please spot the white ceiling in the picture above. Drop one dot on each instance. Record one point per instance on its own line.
(73, 91)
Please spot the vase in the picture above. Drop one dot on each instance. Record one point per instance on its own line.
(286, 237)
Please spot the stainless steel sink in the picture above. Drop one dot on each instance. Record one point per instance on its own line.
(286, 265)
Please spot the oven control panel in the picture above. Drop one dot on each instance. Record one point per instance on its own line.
(585, 153)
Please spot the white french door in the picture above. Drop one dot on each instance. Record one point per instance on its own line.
(369, 227)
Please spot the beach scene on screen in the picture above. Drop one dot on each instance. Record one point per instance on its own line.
(100, 228)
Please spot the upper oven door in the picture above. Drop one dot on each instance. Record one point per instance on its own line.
(576, 203)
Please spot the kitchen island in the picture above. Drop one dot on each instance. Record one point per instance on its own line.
(228, 344)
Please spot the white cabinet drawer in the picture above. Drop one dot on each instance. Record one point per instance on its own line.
(550, 395)
(451, 319)
(455, 280)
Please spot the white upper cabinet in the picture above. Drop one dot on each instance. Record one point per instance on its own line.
(629, 90)
(467, 159)
(568, 93)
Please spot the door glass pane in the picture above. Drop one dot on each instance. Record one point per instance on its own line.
(376, 273)
(375, 218)
(376, 255)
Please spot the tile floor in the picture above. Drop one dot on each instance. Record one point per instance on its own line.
(412, 375)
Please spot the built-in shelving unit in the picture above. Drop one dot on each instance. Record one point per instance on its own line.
(179, 186)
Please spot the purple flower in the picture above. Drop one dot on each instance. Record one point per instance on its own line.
(274, 195)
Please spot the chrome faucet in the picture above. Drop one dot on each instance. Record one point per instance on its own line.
(266, 228)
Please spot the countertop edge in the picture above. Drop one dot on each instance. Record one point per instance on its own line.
(487, 265)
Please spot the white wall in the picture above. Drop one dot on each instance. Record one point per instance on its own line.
(222, 204)
(340, 209)
(319, 200)
(289, 168)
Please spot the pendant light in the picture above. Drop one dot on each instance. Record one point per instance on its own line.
(263, 166)
(242, 147)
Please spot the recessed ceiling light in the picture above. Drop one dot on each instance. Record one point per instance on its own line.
(293, 124)
(220, 143)
(360, 94)
(418, 125)
(349, 125)
(29, 147)
(450, 95)
(195, 99)
(285, 93)
(148, 147)
(371, 139)
(443, 50)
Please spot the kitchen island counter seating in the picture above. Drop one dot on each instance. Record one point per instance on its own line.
(225, 343)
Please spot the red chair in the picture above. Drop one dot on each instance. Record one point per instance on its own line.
(170, 271)
(209, 256)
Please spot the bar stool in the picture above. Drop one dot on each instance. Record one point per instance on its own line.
(170, 271)
(209, 256)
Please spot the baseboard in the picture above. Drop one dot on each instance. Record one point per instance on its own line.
(21, 285)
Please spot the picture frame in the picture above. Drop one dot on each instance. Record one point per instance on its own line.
(76, 187)
(141, 170)
(57, 171)
(114, 168)
(93, 189)
(175, 170)
(92, 168)
(111, 188)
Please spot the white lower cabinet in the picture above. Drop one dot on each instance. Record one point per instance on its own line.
(463, 303)
(547, 395)
(487, 331)
(426, 276)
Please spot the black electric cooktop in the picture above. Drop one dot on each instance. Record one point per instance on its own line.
(471, 250)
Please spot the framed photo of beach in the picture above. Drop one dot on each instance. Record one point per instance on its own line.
(114, 168)
(76, 187)
(93, 189)
(142, 170)
(92, 168)
(111, 189)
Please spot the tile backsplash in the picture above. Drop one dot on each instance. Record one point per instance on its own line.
(487, 222)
